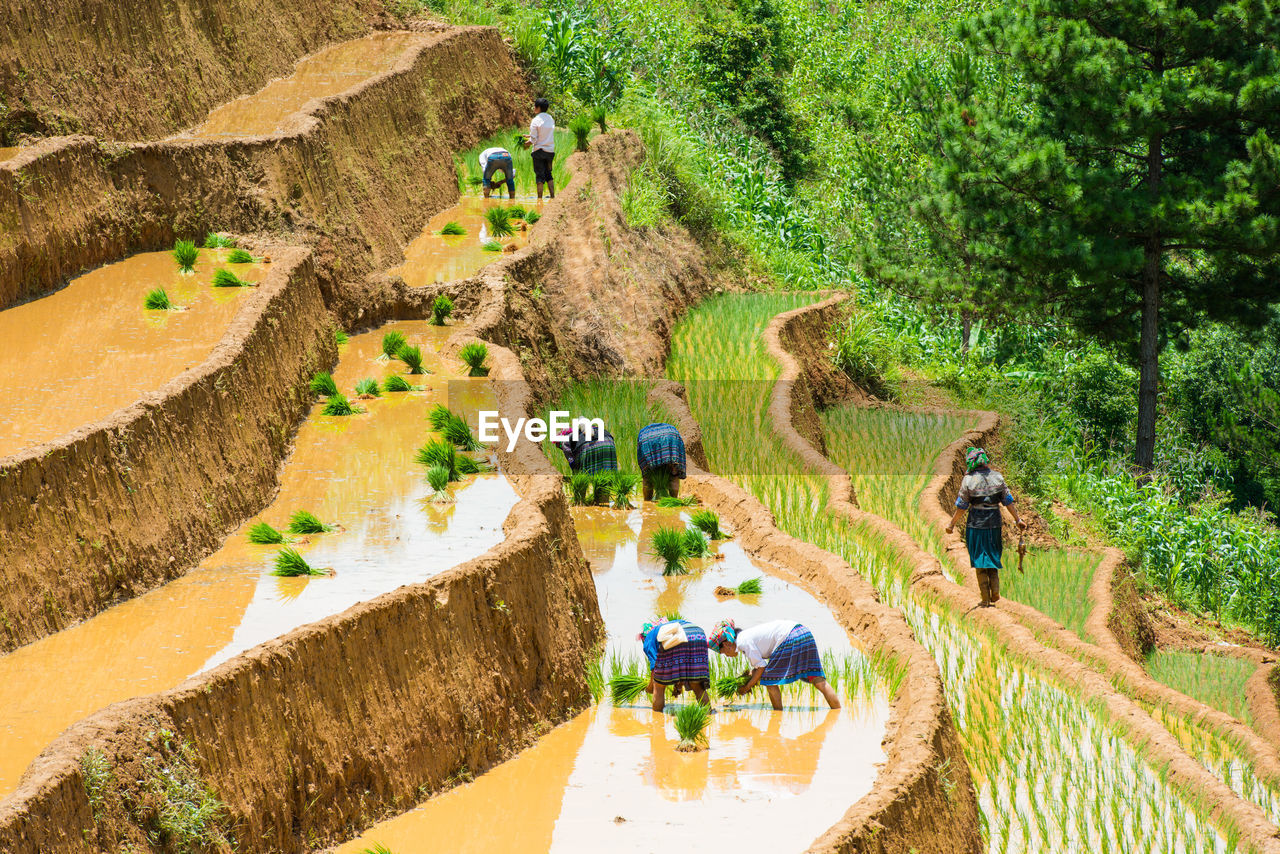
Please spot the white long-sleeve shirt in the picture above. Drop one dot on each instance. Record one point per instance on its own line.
(492, 152)
(542, 133)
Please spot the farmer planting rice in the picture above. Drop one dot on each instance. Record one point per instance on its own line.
(778, 652)
(677, 654)
(982, 492)
(542, 142)
(592, 451)
(660, 452)
(494, 161)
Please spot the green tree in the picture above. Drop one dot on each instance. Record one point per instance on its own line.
(1136, 190)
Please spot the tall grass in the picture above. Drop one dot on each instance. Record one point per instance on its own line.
(186, 254)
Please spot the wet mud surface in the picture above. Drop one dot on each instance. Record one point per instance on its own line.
(433, 257)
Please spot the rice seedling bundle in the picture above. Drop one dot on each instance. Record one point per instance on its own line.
(441, 309)
(750, 587)
(438, 452)
(580, 488)
(412, 358)
(516, 212)
(452, 227)
(377, 848)
(395, 383)
(392, 343)
(264, 535)
(322, 384)
(676, 501)
(157, 299)
(453, 427)
(491, 246)
(668, 546)
(531, 217)
(708, 522)
(289, 563)
(340, 337)
(223, 278)
(368, 387)
(624, 484)
(660, 482)
(438, 480)
(213, 240)
(580, 125)
(186, 254)
(695, 543)
(498, 219)
(306, 522)
(595, 679)
(474, 355)
(692, 720)
(240, 256)
(726, 686)
(602, 488)
(470, 465)
(337, 404)
(624, 688)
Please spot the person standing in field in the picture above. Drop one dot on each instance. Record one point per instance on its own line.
(660, 453)
(982, 493)
(542, 141)
(677, 654)
(493, 161)
(778, 652)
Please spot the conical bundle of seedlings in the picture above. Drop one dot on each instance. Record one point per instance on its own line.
(213, 240)
(226, 279)
(581, 127)
(337, 404)
(695, 543)
(438, 452)
(240, 256)
(452, 228)
(441, 309)
(157, 299)
(674, 501)
(624, 688)
(289, 563)
(708, 523)
(474, 355)
(726, 685)
(668, 546)
(322, 384)
(438, 480)
(306, 522)
(692, 720)
(368, 387)
(412, 358)
(392, 343)
(750, 587)
(498, 219)
(186, 254)
(530, 217)
(580, 488)
(660, 483)
(602, 485)
(491, 246)
(453, 427)
(624, 484)
(516, 212)
(264, 535)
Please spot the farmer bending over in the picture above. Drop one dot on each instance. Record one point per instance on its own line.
(591, 452)
(677, 654)
(778, 652)
(982, 492)
(495, 160)
(660, 451)
(542, 141)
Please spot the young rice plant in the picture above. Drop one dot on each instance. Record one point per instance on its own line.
(264, 535)
(157, 299)
(668, 546)
(441, 309)
(289, 563)
(322, 384)
(306, 522)
(186, 254)
(474, 355)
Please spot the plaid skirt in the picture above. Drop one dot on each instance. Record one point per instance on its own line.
(659, 445)
(688, 662)
(795, 658)
(598, 456)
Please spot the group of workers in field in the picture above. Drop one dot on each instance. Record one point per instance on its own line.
(777, 652)
(541, 142)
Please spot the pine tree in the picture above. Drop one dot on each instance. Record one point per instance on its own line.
(1136, 188)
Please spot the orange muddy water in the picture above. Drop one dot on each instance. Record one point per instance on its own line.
(332, 71)
(612, 780)
(85, 351)
(6, 153)
(356, 472)
(433, 257)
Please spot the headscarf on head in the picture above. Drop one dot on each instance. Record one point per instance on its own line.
(975, 458)
(648, 626)
(724, 632)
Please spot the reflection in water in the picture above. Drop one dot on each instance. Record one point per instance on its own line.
(433, 257)
(771, 781)
(332, 71)
(356, 471)
(86, 350)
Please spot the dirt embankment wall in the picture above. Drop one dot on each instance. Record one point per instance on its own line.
(356, 175)
(136, 498)
(1019, 628)
(136, 69)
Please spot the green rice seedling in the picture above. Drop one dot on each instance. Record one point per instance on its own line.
(412, 358)
(695, 543)
(595, 679)
(439, 452)
(306, 522)
(475, 180)
(600, 116)
(516, 211)
(470, 465)
(322, 384)
(725, 686)
(337, 404)
(340, 337)
(395, 383)
(750, 587)
(264, 535)
(708, 523)
(377, 848)
(157, 299)
(580, 488)
(240, 256)
(438, 480)
(498, 219)
(624, 688)
(491, 246)
(624, 484)
(213, 240)
(289, 564)
(580, 125)
(602, 485)
(453, 427)
(692, 720)
(441, 309)
(392, 343)
(474, 355)
(676, 501)
(452, 227)
(439, 417)
(226, 279)
(668, 546)
(368, 387)
(531, 217)
(660, 482)
(186, 254)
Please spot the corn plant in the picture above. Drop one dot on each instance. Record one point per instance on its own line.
(306, 522)
(288, 563)
(240, 256)
(223, 278)
(157, 299)
(186, 254)
(668, 546)
(412, 358)
(322, 384)
(441, 309)
(368, 387)
(337, 404)
(474, 355)
(453, 228)
(392, 343)
(264, 535)
(692, 720)
(396, 383)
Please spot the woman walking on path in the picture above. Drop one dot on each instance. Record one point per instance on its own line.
(778, 652)
(660, 453)
(982, 493)
(677, 655)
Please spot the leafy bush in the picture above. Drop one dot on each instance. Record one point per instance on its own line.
(1101, 395)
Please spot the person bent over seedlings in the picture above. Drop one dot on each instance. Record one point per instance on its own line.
(593, 451)
(677, 654)
(493, 161)
(982, 492)
(778, 652)
(660, 452)
(542, 141)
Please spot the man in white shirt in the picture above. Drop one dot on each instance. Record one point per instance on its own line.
(493, 161)
(542, 139)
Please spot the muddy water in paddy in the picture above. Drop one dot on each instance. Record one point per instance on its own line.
(85, 351)
(433, 257)
(330, 72)
(355, 471)
(6, 153)
(611, 779)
